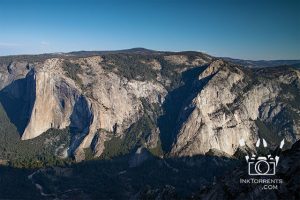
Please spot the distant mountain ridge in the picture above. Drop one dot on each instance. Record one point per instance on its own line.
(145, 51)
(263, 63)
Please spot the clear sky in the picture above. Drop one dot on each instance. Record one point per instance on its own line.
(254, 29)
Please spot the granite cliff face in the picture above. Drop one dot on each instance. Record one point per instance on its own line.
(237, 103)
(98, 104)
(191, 101)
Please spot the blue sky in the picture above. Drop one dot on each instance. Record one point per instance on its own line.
(235, 28)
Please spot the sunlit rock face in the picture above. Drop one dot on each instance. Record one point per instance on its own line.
(237, 103)
(190, 102)
(98, 100)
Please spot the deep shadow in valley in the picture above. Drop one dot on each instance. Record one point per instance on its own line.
(114, 179)
(80, 120)
(177, 100)
(17, 99)
(195, 177)
(14, 184)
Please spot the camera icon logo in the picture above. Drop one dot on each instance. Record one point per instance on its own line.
(262, 165)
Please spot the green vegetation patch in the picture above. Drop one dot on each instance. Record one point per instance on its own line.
(136, 134)
(37, 152)
(131, 66)
(72, 70)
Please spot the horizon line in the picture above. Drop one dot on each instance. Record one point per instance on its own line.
(146, 49)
